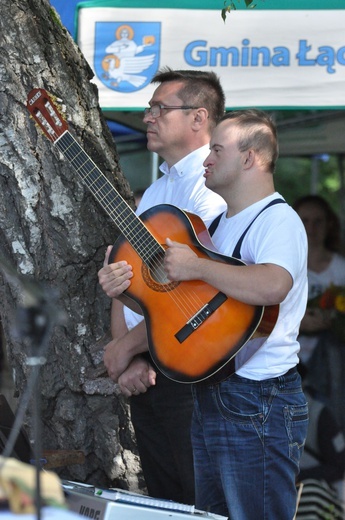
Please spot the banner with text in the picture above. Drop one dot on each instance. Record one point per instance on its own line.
(268, 58)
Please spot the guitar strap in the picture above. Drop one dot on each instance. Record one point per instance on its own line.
(237, 250)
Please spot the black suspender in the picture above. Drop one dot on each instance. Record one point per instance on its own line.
(214, 224)
(237, 250)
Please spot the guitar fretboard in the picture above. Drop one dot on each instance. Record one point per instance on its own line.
(128, 223)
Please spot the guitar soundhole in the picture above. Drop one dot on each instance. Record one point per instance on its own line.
(154, 275)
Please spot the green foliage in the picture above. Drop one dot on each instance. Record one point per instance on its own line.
(228, 7)
(293, 179)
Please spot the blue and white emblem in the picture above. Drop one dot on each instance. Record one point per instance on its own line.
(126, 54)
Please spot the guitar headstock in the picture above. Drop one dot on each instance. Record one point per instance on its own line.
(45, 113)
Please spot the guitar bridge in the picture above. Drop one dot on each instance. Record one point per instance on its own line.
(200, 317)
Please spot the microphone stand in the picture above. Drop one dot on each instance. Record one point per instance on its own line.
(36, 319)
(35, 328)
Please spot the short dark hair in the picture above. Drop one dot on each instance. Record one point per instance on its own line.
(258, 132)
(200, 88)
(332, 238)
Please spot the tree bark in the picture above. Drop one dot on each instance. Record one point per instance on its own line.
(55, 233)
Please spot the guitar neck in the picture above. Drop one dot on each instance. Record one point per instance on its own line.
(117, 208)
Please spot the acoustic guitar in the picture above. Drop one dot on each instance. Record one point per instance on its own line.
(194, 331)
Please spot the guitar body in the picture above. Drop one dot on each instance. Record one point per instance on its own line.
(183, 352)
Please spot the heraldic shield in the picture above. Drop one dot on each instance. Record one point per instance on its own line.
(126, 54)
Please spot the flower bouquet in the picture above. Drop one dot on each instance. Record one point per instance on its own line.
(332, 301)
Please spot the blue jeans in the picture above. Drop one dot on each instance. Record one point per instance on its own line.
(247, 438)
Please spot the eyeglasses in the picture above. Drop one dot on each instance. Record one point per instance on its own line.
(155, 110)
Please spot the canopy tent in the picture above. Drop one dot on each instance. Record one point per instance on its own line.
(312, 134)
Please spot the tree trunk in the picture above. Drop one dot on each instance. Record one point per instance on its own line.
(55, 233)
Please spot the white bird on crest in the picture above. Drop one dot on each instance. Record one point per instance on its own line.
(127, 68)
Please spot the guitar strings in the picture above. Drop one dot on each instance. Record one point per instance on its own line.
(145, 241)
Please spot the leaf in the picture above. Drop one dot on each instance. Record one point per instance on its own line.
(228, 7)
(224, 11)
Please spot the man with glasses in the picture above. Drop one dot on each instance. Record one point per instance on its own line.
(183, 111)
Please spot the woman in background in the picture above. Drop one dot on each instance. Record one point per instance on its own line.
(322, 352)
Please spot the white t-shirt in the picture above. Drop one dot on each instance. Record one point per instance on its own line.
(278, 237)
(317, 284)
(182, 186)
(333, 275)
